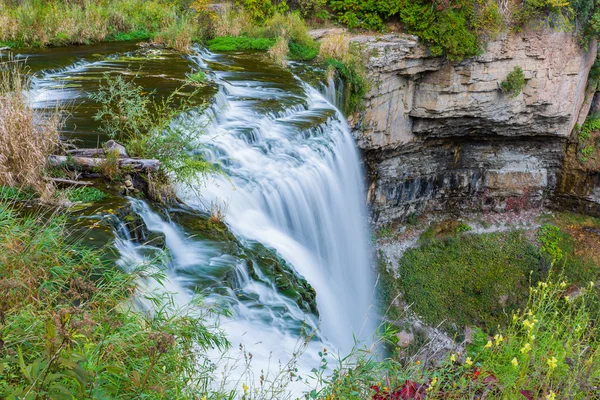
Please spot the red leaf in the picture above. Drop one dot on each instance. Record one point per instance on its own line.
(527, 394)
(412, 390)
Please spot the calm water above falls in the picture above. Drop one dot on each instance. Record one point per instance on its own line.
(292, 182)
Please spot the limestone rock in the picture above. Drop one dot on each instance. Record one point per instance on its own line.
(439, 135)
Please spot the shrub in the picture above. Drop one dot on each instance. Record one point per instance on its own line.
(179, 34)
(149, 129)
(260, 10)
(514, 82)
(279, 52)
(344, 58)
(28, 136)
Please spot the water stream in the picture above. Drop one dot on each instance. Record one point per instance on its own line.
(292, 182)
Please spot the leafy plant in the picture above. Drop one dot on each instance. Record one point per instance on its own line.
(86, 195)
(237, 43)
(514, 82)
(149, 129)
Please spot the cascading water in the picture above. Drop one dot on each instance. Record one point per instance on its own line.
(292, 181)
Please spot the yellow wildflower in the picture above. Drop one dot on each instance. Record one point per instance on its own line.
(498, 339)
(567, 299)
(591, 284)
(245, 387)
(468, 361)
(563, 284)
(488, 344)
(551, 396)
(453, 358)
(552, 362)
(525, 349)
(515, 362)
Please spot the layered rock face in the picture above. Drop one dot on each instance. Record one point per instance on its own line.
(442, 135)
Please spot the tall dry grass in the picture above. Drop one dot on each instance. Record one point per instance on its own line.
(27, 136)
(336, 46)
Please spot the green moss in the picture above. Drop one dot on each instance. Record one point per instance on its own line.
(469, 279)
(238, 43)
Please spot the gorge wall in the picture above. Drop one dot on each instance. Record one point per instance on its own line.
(438, 135)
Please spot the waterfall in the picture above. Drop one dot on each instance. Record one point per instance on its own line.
(292, 180)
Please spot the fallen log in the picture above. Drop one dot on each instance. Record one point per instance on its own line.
(69, 181)
(110, 146)
(95, 163)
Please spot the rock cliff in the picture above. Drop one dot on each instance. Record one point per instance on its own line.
(442, 135)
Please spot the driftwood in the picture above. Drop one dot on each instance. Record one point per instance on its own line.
(110, 146)
(94, 163)
(69, 182)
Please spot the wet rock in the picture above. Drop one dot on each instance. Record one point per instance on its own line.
(273, 269)
(114, 146)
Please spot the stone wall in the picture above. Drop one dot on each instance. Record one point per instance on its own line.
(441, 135)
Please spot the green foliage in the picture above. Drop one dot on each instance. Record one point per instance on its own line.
(556, 13)
(231, 43)
(586, 146)
(198, 77)
(369, 14)
(260, 10)
(550, 237)
(447, 32)
(469, 279)
(300, 52)
(146, 126)
(550, 350)
(514, 82)
(462, 227)
(35, 23)
(353, 73)
(86, 195)
(9, 193)
(68, 330)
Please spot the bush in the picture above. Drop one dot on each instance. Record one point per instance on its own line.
(149, 129)
(344, 58)
(28, 136)
(514, 82)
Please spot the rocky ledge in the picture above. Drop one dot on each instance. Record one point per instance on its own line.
(442, 135)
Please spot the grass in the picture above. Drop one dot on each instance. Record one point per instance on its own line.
(27, 135)
(549, 350)
(36, 23)
(469, 279)
(68, 328)
(345, 59)
(239, 43)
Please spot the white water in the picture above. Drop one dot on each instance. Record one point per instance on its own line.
(292, 182)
